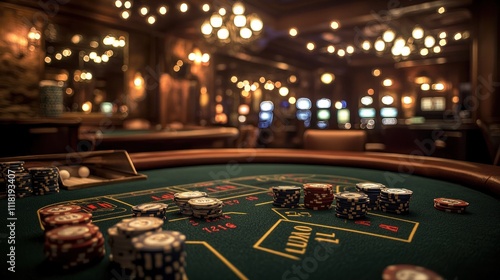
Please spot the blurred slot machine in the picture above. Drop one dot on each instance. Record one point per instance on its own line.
(367, 116)
(266, 114)
(304, 113)
(389, 115)
(367, 113)
(323, 114)
(343, 115)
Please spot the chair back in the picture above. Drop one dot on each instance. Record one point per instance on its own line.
(335, 140)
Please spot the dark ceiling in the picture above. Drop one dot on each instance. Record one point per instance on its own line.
(359, 21)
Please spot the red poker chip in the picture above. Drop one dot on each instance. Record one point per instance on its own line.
(448, 209)
(75, 248)
(315, 207)
(58, 210)
(452, 202)
(318, 186)
(407, 271)
(68, 219)
(74, 233)
(318, 193)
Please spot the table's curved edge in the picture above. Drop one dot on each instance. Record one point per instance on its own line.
(483, 177)
(230, 133)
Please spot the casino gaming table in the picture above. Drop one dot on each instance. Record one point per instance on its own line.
(142, 140)
(256, 240)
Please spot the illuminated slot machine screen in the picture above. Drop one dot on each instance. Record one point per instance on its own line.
(107, 107)
(303, 104)
(323, 115)
(344, 118)
(433, 104)
(303, 115)
(367, 113)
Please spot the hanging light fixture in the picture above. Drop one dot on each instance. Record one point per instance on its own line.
(225, 27)
(151, 11)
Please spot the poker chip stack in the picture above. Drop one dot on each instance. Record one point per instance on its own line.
(286, 196)
(74, 246)
(450, 205)
(318, 196)
(401, 271)
(52, 210)
(78, 218)
(45, 180)
(160, 255)
(182, 198)
(23, 183)
(206, 207)
(152, 209)
(373, 192)
(393, 200)
(120, 238)
(351, 205)
(15, 168)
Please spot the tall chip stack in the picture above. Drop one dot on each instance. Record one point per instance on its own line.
(14, 173)
(45, 180)
(74, 246)
(318, 196)
(351, 205)
(160, 255)
(181, 200)
(206, 207)
(373, 192)
(150, 209)
(286, 196)
(23, 184)
(394, 200)
(120, 238)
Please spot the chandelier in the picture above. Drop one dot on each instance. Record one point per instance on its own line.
(225, 27)
(151, 11)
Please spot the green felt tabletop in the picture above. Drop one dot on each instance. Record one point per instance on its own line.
(253, 239)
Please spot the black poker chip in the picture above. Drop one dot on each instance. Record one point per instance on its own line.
(286, 196)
